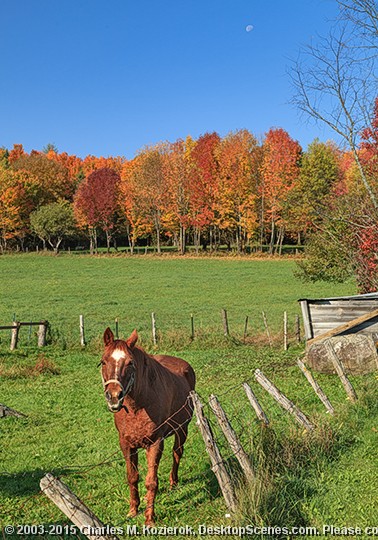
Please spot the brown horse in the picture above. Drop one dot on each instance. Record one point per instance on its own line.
(150, 398)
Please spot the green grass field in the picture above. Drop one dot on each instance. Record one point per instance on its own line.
(303, 480)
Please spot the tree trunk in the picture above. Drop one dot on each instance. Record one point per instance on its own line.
(158, 239)
(182, 246)
(282, 233)
(197, 238)
(272, 238)
(108, 240)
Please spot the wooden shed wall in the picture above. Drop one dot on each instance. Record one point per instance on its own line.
(322, 315)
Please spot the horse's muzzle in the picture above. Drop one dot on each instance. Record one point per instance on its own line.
(115, 408)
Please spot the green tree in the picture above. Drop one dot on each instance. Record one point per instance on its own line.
(50, 147)
(53, 222)
(320, 170)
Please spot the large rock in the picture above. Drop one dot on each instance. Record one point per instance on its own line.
(357, 352)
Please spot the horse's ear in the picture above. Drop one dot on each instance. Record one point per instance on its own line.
(132, 340)
(108, 337)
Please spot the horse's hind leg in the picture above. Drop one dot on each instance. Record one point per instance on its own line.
(154, 453)
(178, 450)
(131, 457)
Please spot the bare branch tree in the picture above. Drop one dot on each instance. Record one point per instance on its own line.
(333, 85)
(363, 14)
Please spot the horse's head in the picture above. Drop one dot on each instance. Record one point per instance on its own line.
(118, 368)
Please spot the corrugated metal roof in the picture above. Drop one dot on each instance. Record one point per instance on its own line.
(367, 296)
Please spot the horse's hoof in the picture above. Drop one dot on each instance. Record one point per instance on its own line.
(132, 513)
(150, 523)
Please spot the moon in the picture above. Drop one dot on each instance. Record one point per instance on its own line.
(249, 28)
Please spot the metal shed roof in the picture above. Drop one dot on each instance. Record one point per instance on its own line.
(367, 296)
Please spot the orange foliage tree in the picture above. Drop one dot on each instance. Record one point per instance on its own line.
(145, 192)
(236, 201)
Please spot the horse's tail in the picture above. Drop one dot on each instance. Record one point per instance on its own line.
(190, 376)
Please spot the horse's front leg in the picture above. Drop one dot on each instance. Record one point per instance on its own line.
(131, 457)
(154, 453)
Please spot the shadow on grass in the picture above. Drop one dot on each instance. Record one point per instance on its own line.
(26, 483)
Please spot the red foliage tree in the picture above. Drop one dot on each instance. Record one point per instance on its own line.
(203, 186)
(96, 204)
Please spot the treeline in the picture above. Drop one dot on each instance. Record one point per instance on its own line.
(234, 191)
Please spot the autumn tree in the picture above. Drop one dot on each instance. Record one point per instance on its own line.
(203, 188)
(320, 173)
(147, 191)
(236, 200)
(176, 169)
(345, 242)
(53, 177)
(96, 204)
(18, 198)
(280, 171)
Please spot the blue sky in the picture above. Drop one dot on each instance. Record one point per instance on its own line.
(108, 77)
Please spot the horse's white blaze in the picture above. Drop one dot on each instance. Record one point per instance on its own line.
(118, 354)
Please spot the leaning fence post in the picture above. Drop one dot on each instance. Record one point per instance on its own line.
(14, 335)
(245, 328)
(42, 331)
(226, 330)
(339, 368)
(255, 404)
(285, 330)
(283, 400)
(232, 438)
(82, 331)
(267, 328)
(317, 389)
(216, 459)
(87, 522)
(153, 322)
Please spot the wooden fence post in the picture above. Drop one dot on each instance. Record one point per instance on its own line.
(245, 328)
(75, 509)
(232, 438)
(153, 321)
(339, 368)
(226, 330)
(267, 328)
(212, 449)
(14, 335)
(283, 400)
(82, 331)
(317, 389)
(192, 326)
(42, 331)
(8, 411)
(116, 329)
(298, 328)
(255, 404)
(285, 330)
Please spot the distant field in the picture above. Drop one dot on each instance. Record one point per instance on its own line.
(330, 477)
(59, 289)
